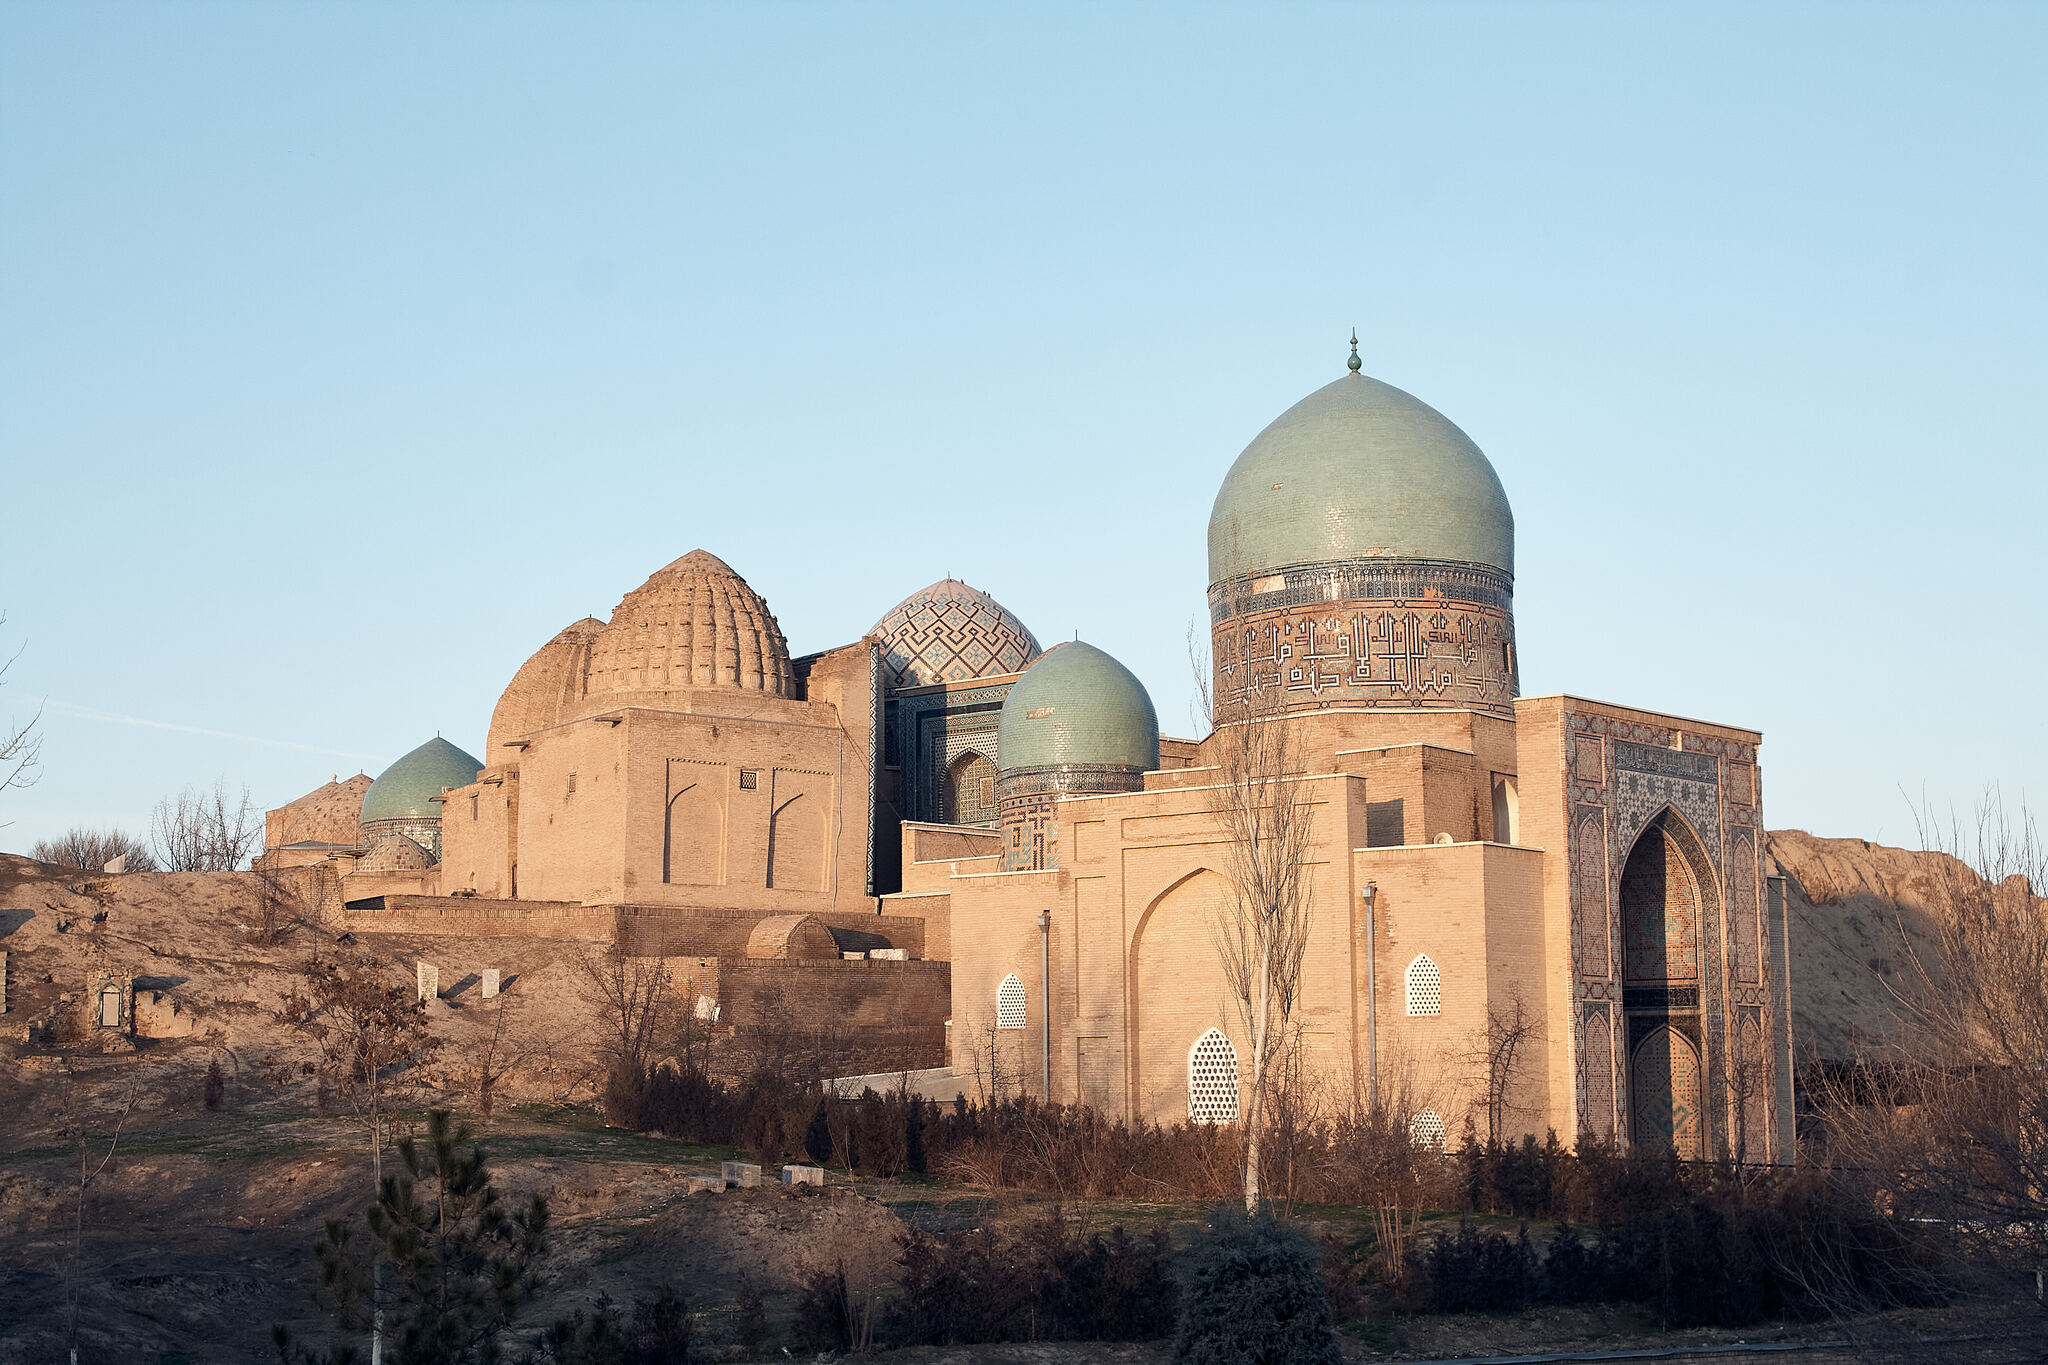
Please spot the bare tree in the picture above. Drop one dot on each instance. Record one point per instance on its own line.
(1384, 1163)
(369, 1031)
(90, 850)
(1953, 1118)
(496, 1059)
(993, 1079)
(206, 831)
(21, 748)
(1497, 1054)
(1749, 1082)
(287, 898)
(1261, 934)
(635, 1012)
(87, 1173)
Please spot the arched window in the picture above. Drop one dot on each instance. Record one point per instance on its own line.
(1427, 1129)
(1010, 1003)
(1212, 1079)
(1425, 987)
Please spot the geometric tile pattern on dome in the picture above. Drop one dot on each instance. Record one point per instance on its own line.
(950, 632)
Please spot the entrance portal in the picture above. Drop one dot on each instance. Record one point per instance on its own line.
(1662, 904)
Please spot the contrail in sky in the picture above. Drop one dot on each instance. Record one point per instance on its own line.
(65, 708)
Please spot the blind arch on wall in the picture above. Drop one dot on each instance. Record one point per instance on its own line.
(1425, 987)
(1212, 1079)
(1010, 1003)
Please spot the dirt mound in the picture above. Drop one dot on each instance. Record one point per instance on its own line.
(775, 1237)
(206, 952)
(1861, 931)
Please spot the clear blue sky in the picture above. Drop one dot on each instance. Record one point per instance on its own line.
(349, 352)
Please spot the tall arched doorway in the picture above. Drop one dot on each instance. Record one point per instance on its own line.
(1662, 914)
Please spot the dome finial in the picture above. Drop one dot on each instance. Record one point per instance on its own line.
(1353, 364)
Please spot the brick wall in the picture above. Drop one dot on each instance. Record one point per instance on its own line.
(474, 916)
(890, 1015)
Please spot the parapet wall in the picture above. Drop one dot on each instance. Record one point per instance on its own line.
(675, 931)
(643, 930)
(478, 917)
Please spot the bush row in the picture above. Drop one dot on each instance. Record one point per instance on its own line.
(1702, 1244)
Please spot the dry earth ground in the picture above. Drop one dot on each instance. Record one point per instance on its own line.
(197, 1235)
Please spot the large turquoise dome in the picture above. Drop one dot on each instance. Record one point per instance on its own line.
(1077, 705)
(407, 787)
(1359, 470)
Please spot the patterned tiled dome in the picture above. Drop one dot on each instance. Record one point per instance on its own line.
(950, 632)
(395, 853)
(695, 623)
(406, 790)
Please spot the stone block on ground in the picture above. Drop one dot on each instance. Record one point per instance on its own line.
(490, 983)
(743, 1174)
(707, 1184)
(804, 1175)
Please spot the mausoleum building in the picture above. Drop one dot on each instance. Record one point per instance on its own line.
(942, 790)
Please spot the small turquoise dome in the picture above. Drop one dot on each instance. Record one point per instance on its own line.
(1359, 470)
(406, 788)
(1078, 705)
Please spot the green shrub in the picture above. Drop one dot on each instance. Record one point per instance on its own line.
(1253, 1292)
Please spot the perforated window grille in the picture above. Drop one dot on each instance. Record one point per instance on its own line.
(1425, 987)
(1010, 1003)
(1212, 1079)
(1427, 1129)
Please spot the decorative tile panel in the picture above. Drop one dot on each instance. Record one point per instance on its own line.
(1410, 634)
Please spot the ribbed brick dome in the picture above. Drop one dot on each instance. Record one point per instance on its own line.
(545, 688)
(395, 853)
(695, 623)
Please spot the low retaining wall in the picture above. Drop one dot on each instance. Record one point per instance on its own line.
(477, 917)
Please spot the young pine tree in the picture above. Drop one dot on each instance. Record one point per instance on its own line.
(448, 1266)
